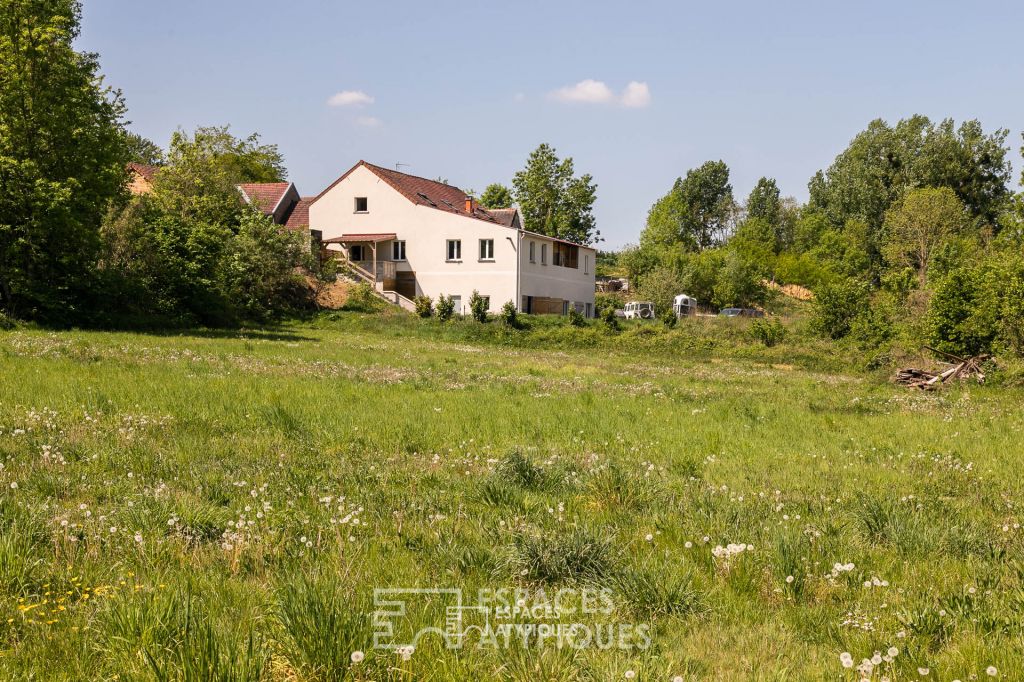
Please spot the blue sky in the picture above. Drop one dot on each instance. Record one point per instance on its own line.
(465, 90)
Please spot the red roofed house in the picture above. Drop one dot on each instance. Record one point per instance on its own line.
(280, 201)
(411, 236)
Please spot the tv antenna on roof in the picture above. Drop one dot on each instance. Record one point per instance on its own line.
(397, 166)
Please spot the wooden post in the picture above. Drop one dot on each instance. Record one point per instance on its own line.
(374, 247)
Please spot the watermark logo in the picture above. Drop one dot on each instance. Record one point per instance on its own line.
(501, 618)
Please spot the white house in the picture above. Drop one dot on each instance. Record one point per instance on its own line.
(410, 236)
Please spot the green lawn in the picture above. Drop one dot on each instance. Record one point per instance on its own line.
(222, 506)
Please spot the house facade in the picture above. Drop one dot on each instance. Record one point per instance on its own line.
(409, 236)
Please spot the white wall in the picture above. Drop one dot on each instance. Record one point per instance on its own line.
(555, 281)
(426, 230)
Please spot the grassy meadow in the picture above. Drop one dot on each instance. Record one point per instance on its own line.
(221, 506)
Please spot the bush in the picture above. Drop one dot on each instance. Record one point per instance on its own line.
(768, 332)
(614, 300)
(576, 318)
(669, 319)
(478, 306)
(424, 306)
(837, 305)
(509, 315)
(259, 270)
(611, 322)
(445, 308)
(362, 299)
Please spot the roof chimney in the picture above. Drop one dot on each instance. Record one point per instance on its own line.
(469, 204)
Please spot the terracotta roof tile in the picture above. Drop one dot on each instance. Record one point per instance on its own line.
(423, 192)
(264, 195)
(505, 216)
(144, 170)
(298, 218)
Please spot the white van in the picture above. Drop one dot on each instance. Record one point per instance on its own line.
(642, 310)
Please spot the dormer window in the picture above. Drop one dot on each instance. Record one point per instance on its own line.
(362, 206)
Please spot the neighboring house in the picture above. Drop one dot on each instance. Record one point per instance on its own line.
(141, 178)
(275, 199)
(410, 236)
(281, 201)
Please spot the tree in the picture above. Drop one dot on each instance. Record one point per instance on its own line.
(192, 251)
(496, 196)
(200, 178)
(884, 162)
(143, 150)
(62, 159)
(696, 212)
(708, 196)
(919, 225)
(553, 201)
(660, 286)
(667, 222)
(259, 270)
(764, 202)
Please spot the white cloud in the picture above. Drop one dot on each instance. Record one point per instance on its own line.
(636, 95)
(588, 91)
(369, 122)
(348, 98)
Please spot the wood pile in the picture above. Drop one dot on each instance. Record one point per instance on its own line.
(959, 369)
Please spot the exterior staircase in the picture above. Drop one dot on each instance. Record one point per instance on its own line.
(361, 274)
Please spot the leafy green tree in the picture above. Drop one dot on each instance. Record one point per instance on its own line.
(740, 282)
(62, 160)
(553, 201)
(660, 286)
(192, 252)
(259, 271)
(143, 150)
(764, 202)
(696, 212)
(708, 196)
(202, 171)
(496, 195)
(883, 162)
(920, 224)
(837, 305)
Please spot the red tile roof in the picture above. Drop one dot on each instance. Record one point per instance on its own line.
(144, 170)
(298, 219)
(265, 195)
(505, 216)
(438, 195)
(423, 192)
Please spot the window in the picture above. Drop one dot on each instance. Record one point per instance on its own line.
(398, 250)
(586, 267)
(543, 254)
(533, 252)
(487, 302)
(486, 249)
(454, 249)
(357, 252)
(361, 205)
(566, 255)
(589, 312)
(457, 304)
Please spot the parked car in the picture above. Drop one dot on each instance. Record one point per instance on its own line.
(639, 310)
(741, 312)
(684, 306)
